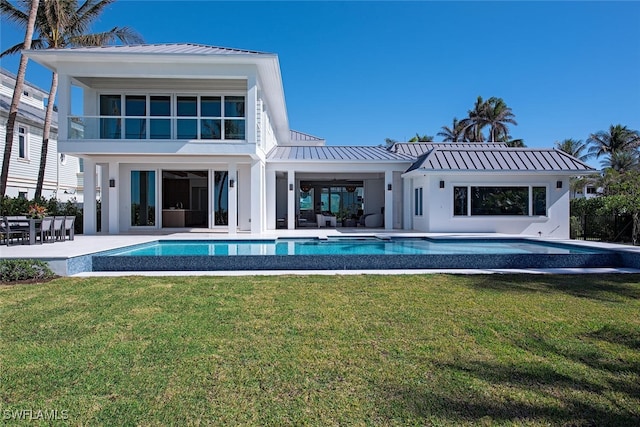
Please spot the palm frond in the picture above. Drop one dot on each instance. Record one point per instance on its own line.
(14, 14)
(124, 35)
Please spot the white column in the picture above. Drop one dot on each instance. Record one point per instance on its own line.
(251, 105)
(89, 197)
(64, 106)
(233, 198)
(257, 211)
(407, 209)
(114, 198)
(291, 199)
(388, 200)
(270, 199)
(105, 174)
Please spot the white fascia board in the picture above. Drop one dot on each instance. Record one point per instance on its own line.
(332, 166)
(425, 172)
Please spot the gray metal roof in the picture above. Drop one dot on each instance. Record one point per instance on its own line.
(417, 149)
(168, 48)
(334, 153)
(502, 159)
(28, 112)
(300, 136)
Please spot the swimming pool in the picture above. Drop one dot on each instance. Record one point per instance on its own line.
(351, 254)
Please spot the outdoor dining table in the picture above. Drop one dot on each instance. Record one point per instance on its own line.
(32, 222)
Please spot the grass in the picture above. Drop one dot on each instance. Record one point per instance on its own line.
(350, 350)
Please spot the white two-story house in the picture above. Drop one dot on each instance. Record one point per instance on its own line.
(192, 136)
(63, 176)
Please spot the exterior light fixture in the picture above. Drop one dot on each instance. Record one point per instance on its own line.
(441, 184)
(232, 183)
(558, 184)
(112, 183)
(290, 187)
(388, 187)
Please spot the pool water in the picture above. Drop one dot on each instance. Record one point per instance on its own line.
(348, 246)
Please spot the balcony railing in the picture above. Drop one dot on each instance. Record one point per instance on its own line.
(157, 128)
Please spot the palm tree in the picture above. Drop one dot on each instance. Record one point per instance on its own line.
(421, 138)
(496, 116)
(455, 133)
(618, 138)
(17, 92)
(476, 121)
(575, 148)
(60, 24)
(623, 161)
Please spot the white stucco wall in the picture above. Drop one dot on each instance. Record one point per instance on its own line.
(438, 206)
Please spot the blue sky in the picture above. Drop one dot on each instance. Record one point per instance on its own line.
(358, 72)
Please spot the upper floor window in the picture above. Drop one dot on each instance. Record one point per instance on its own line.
(23, 143)
(172, 116)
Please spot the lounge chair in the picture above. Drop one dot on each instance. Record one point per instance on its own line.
(58, 228)
(69, 224)
(45, 230)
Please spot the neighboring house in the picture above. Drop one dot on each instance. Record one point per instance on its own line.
(63, 178)
(198, 136)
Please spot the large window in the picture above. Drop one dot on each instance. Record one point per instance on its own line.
(506, 201)
(173, 116)
(143, 198)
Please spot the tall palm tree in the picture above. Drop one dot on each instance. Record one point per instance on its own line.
(475, 122)
(455, 133)
(17, 92)
(623, 161)
(618, 138)
(60, 24)
(575, 148)
(497, 115)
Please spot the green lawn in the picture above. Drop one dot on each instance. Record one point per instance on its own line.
(318, 350)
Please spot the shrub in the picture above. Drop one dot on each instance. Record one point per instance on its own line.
(12, 270)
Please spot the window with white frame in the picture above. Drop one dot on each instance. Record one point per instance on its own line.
(164, 116)
(417, 203)
(23, 143)
(499, 200)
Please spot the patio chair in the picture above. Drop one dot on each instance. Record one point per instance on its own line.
(58, 228)
(69, 224)
(45, 231)
(10, 231)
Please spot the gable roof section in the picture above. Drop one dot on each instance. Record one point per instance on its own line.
(499, 160)
(34, 115)
(417, 149)
(336, 153)
(169, 48)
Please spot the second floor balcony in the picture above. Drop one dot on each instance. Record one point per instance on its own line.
(205, 129)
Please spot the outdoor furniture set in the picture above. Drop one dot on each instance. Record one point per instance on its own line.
(36, 230)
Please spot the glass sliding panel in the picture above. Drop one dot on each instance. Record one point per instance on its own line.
(539, 201)
(459, 201)
(187, 106)
(143, 198)
(135, 105)
(160, 106)
(210, 129)
(499, 201)
(234, 129)
(110, 105)
(221, 201)
(210, 106)
(234, 106)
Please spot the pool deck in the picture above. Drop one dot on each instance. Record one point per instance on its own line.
(85, 245)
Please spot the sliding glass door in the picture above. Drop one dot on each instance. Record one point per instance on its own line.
(143, 198)
(221, 198)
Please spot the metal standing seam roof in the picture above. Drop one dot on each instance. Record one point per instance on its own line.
(416, 149)
(503, 159)
(169, 48)
(336, 153)
(301, 136)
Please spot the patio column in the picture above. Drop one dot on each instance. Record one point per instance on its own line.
(407, 209)
(388, 199)
(233, 199)
(270, 199)
(114, 198)
(89, 197)
(105, 193)
(257, 197)
(291, 199)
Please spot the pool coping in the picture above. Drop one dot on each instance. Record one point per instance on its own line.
(73, 258)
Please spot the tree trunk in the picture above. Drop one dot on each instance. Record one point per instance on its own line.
(15, 100)
(45, 135)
